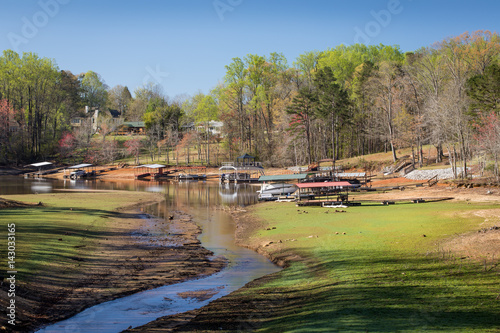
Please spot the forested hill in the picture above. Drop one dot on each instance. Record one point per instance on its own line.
(340, 102)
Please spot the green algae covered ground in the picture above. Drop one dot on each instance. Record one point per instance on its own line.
(389, 272)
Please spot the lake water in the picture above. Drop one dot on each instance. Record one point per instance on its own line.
(196, 198)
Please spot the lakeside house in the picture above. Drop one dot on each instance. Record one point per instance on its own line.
(131, 127)
(13, 126)
(214, 127)
(92, 117)
(87, 117)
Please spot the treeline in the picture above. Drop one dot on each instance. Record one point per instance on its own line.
(355, 100)
(341, 102)
(38, 102)
(36, 97)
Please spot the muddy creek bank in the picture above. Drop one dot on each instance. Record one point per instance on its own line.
(181, 238)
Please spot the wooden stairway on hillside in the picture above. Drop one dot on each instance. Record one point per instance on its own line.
(433, 181)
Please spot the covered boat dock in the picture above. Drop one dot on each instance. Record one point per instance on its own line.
(278, 185)
(244, 170)
(43, 169)
(80, 171)
(149, 170)
(320, 193)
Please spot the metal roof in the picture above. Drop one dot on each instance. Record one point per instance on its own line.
(151, 166)
(329, 168)
(156, 166)
(40, 164)
(245, 156)
(135, 124)
(351, 174)
(283, 177)
(324, 184)
(78, 166)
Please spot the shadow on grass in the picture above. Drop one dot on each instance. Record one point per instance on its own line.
(375, 292)
(378, 292)
(55, 210)
(47, 239)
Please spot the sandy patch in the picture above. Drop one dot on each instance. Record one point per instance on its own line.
(200, 295)
(435, 192)
(480, 246)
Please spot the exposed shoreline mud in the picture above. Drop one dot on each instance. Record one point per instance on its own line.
(133, 258)
(238, 311)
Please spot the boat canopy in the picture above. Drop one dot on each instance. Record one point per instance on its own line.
(151, 166)
(40, 164)
(324, 184)
(351, 174)
(79, 166)
(275, 178)
(246, 157)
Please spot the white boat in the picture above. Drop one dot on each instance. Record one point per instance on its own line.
(277, 189)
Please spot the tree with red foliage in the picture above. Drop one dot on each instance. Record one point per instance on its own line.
(101, 152)
(67, 145)
(134, 148)
(6, 116)
(487, 137)
(185, 143)
(7, 123)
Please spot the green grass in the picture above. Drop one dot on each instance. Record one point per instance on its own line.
(382, 275)
(50, 239)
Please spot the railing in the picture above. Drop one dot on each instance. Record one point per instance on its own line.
(408, 169)
(401, 165)
(433, 181)
(242, 164)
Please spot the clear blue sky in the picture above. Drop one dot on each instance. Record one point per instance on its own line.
(185, 44)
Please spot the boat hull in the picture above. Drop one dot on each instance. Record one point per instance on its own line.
(278, 189)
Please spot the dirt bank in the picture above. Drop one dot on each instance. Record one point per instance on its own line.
(476, 194)
(14, 204)
(117, 173)
(130, 259)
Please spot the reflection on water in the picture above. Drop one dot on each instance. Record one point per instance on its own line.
(41, 186)
(204, 193)
(144, 307)
(196, 198)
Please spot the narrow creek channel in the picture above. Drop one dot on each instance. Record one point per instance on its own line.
(199, 201)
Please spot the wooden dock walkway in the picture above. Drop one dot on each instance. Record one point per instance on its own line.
(370, 201)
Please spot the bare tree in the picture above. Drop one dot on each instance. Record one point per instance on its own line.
(386, 88)
(119, 98)
(106, 124)
(449, 119)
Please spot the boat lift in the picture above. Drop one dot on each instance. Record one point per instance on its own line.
(325, 189)
(242, 171)
(80, 171)
(42, 169)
